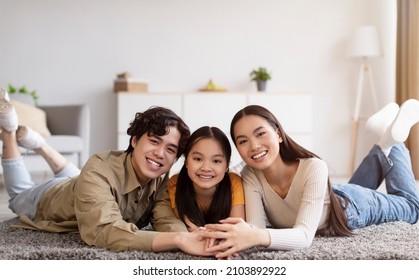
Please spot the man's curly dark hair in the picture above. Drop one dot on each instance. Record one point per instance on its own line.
(157, 121)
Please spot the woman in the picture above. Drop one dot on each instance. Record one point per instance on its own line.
(288, 186)
(205, 191)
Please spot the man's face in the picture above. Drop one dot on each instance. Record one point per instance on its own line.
(154, 155)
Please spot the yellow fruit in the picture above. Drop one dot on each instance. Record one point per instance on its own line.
(211, 85)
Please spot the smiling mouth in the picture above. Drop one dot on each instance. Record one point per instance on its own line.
(154, 163)
(206, 177)
(259, 155)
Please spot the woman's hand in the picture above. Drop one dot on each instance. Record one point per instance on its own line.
(234, 235)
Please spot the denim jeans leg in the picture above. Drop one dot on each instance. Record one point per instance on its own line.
(368, 206)
(24, 193)
(401, 181)
(17, 179)
(69, 170)
(372, 170)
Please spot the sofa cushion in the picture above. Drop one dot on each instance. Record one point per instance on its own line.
(32, 117)
(65, 143)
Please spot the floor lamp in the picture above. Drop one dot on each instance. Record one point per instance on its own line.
(365, 44)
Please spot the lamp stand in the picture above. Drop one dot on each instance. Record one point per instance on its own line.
(365, 69)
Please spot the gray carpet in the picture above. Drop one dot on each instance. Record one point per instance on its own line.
(396, 240)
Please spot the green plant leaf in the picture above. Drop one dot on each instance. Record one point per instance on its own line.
(11, 89)
(260, 74)
(24, 90)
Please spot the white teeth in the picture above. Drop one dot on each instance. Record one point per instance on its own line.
(259, 155)
(154, 163)
(205, 177)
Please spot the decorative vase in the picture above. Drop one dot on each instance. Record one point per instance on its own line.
(261, 85)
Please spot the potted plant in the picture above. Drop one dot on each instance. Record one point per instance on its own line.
(25, 93)
(260, 76)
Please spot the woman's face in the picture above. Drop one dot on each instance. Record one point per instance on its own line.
(257, 141)
(206, 164)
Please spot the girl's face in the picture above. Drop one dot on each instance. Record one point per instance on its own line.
(206, 164)
(154, 155)
(257, 141)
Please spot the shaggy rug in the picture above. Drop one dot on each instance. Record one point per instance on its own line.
(397, 240)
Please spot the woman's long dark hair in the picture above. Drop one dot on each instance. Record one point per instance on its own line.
(290, 151)
(185, 199)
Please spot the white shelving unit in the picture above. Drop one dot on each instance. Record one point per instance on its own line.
(294, 112)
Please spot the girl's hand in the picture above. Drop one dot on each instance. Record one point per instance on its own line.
(191, 226)
(192, 243)
(234, 235)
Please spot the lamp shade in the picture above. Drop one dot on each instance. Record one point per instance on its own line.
(365, 42)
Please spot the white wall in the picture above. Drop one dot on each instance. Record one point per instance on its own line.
(70, 52)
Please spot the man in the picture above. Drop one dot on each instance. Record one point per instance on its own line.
(114, 195)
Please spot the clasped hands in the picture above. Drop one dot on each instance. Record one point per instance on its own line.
(226, 239)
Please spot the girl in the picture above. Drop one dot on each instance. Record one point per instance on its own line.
(288, 186)
(205, 191)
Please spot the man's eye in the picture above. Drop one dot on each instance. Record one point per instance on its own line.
(241, 142)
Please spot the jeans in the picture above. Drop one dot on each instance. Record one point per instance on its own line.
(367, 206)
(23, 192)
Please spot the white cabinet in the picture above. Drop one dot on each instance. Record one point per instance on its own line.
(294, 112)
(212, 109)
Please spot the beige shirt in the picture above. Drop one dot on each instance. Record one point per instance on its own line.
(107, 205)
(291, 221)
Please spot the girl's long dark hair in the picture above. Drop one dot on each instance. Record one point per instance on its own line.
(290, 151)
(185, 199)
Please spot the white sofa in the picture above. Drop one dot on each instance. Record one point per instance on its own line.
(70, 135)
